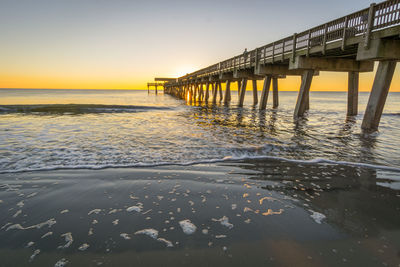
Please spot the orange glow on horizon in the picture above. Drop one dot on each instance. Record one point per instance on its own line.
(326, 81)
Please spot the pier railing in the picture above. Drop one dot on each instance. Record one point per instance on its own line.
(364, 22)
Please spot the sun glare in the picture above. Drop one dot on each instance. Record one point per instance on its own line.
(183, 70)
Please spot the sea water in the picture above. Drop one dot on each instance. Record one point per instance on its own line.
(67, 129)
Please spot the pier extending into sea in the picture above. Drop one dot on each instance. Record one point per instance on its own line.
(351, 44)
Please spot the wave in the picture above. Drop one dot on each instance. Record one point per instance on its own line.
(76, 109)
(208, 161)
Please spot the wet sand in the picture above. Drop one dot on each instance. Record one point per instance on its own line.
(249, 213)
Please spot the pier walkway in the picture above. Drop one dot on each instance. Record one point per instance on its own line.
(348, 44)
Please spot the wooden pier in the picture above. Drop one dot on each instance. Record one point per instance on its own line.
(348, 44)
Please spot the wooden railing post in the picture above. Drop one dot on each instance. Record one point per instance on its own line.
(273, 52)
(370, 25)
(346, 21)
(325, 38)
(308, 43)
(256, 59)
(294, 46)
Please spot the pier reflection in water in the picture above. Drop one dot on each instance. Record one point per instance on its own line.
(273, 132)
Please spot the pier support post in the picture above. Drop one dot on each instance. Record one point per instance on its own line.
(195, 92)
(301, 104)
(214, 91)
(227, 97)
(156, 88)
(265, 92)
(352, 93)
(185, 92)
(190, 93)
(207, 91)
(379, 92)
(275, 92)
(201, 93)
(239, 86)
(242, 91)
(220, 91)
(255, 94)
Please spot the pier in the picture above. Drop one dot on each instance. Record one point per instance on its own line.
(350, 44)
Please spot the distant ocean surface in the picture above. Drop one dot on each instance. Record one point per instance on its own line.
(68, 129)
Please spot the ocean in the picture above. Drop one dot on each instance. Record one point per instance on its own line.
(67, 129)
(127, 178)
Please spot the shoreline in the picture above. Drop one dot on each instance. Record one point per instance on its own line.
(231, 160)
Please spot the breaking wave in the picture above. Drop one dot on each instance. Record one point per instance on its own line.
(209, 161)
(61, 109)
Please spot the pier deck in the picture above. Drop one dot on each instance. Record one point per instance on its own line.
(348, 44)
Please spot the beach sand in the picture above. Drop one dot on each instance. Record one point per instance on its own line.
(238, 213)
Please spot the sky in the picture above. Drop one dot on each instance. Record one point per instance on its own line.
(121, 44)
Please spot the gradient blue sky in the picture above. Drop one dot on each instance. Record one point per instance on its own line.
(124, 44)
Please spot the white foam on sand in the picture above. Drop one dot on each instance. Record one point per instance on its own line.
(4, 226)
(83, 247)
(134, 208)
(61, 263)
(35, 253)
(47, 234)
(188, 227)
(31, 195)
(317, 217)
(68, 239)
(17, 213)
(112, 211)
(153, 233)
(17, 226)
(125, 236)
(167, 242)
(95, 211)
(224, 221)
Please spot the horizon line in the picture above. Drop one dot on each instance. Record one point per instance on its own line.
(109, 89)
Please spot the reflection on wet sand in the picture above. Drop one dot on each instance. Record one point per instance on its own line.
(251, 212)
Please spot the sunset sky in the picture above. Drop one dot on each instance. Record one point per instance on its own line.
(121, 44)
